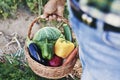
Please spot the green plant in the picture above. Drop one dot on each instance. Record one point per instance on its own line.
(15, 68)
(16, 72)
(36, 6)
(33, 5)
(8, 8)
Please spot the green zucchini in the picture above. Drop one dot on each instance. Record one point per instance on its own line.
(67, 32)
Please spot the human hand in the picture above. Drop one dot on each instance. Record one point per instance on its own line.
(53, 10)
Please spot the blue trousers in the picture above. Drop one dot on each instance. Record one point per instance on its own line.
(99, 50)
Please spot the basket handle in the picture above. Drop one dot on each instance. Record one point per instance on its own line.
(39, 17)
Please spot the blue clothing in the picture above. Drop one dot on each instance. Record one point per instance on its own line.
(99, 50)
(106, 10)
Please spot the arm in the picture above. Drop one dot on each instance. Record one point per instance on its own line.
(54, 9)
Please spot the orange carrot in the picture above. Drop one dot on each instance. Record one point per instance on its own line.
(71, 57)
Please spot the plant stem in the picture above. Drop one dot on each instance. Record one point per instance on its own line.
(40, 6)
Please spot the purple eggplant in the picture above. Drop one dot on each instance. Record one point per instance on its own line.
(36, 54)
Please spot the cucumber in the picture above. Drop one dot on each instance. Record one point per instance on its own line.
(67, 32)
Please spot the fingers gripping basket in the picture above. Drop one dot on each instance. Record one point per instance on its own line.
(47, 71)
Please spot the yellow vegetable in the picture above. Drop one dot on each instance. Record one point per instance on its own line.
(63, 47)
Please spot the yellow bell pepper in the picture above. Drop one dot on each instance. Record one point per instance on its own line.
(63, 47)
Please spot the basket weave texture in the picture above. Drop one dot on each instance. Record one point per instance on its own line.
(47, 71)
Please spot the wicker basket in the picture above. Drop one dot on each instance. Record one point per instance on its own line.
(47, 71)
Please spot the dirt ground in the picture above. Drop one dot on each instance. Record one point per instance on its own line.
(19, 25)
(13, 33)
(11, 28)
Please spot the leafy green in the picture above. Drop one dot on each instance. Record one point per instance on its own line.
(49, 33)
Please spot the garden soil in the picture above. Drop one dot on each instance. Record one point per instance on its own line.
(13, 33)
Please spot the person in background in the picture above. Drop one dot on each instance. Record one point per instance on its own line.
(96, 24)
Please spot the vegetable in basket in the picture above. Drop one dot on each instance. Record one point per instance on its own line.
(35, 53)
(67, 32)
(45, 38)
(71, 57)
(63, 47)
(49, 33)
(56, 61)
(47, 49)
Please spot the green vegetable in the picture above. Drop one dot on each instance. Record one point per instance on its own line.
(49, 33)
(50, 50)
(46, 49)
(45, 39)
(67, 32)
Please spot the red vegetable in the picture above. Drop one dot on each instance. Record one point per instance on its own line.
(55, 61)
